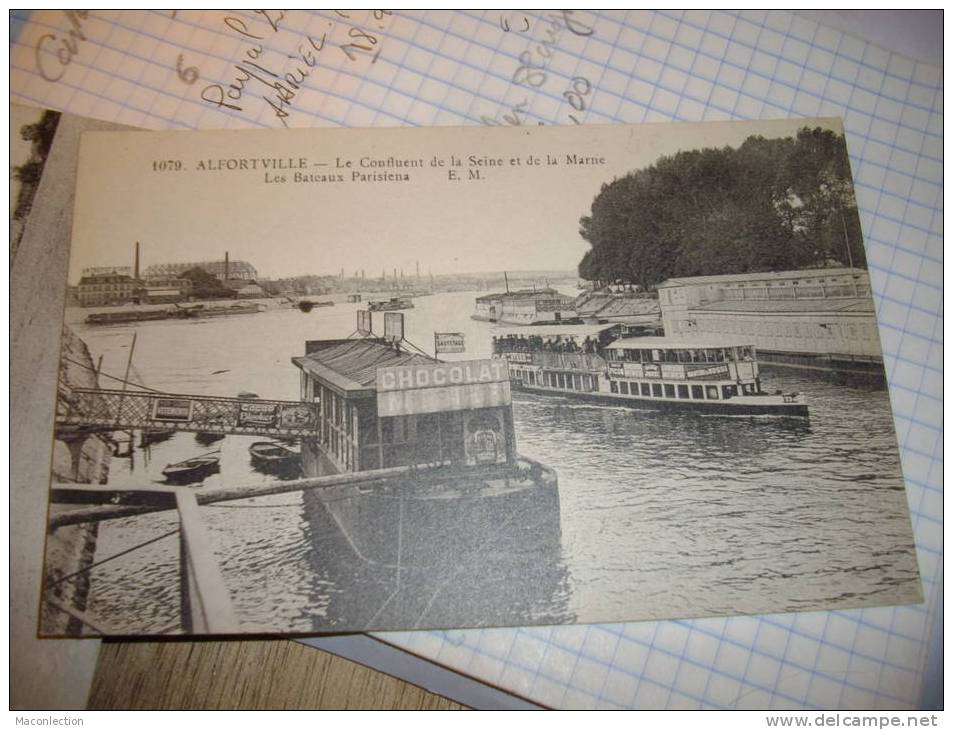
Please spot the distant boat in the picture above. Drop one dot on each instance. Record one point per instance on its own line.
(247, 395)
(353, 298)
(389, 305)
(191, 470)
(125, 315)
(202, 311)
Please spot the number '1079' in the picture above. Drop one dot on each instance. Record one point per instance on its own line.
(166, 165)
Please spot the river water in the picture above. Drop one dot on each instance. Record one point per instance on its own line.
(662, 515)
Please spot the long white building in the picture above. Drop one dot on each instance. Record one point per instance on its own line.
(816, 318)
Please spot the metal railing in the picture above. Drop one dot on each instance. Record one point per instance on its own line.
(205, 600)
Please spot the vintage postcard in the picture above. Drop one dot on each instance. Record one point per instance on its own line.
(346, 380)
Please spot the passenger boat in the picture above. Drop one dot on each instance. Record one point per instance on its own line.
(390, 305)
(590, 363)
(191, 470)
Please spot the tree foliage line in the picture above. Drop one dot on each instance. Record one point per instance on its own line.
(767, 205)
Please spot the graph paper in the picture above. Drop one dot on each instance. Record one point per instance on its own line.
(191, 69)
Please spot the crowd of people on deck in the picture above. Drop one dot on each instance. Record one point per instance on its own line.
(545, 343)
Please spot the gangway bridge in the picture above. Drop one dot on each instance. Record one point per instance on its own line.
(206, 604)
(100, 409)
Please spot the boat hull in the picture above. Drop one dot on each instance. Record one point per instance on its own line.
(766, 405)
(438, 551)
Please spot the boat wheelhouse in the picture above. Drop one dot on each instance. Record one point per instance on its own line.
(645, 372)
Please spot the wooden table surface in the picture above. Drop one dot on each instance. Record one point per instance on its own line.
(247, 675)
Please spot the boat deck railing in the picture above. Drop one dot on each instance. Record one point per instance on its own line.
(577, 361)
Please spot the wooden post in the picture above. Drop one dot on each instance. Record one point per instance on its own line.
(206, 602)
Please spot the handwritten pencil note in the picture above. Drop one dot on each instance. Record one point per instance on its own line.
(230, 69)
(295, 68)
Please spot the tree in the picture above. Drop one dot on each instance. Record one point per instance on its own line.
(770, 204)
(40, 135)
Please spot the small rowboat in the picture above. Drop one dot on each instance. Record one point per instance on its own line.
(271, 452)
(271, 457)
(191, 470)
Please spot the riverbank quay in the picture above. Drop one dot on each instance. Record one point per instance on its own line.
(80, 456)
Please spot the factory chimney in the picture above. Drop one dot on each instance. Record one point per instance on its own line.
(135, 271)
(226, 266)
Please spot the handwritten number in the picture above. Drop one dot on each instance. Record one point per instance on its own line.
(187, 75)
(580, 88)
(379, 14)
(358, 33)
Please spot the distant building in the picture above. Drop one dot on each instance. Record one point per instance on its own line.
(166, 289)
(821, 318)
(246, 289)
(107, 270)
(219, 269)
(109, 289)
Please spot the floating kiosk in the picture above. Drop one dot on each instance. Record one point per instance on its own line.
(470, 528)
(591, 362)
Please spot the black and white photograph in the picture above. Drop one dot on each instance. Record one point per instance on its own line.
(338, 380)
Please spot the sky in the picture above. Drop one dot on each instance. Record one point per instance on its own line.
(515, 217)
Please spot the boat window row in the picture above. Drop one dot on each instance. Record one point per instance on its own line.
(707, 355)
(679, 391)
(581, 382)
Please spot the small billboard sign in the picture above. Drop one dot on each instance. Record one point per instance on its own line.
(172, 409)
(257, 414)
(394, 326)
(364, 326)
(448, 342)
